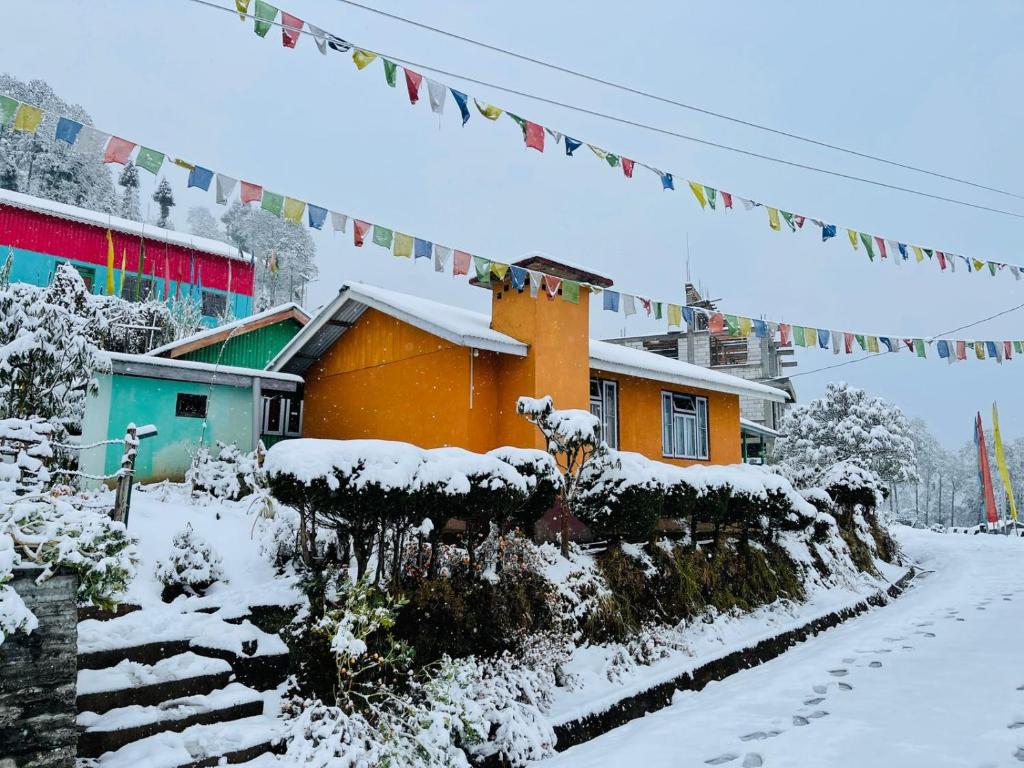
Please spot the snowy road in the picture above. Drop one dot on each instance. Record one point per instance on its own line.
(934, 679)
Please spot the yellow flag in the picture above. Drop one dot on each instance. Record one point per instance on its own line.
(110, 264)
(124, 262)
(698, 192)
(489, 111)
(872, 343)
(27, 118)
(184, 164)
(1004, 473)
(293, 210)
(979, 350)
(811, 336)
(362, 58)
(746, 325)
(918, 253)
(243, 8)
(773, 219)
(675, 315)
(978, 264)
(853, 238)
(402, 245)
(499, 269)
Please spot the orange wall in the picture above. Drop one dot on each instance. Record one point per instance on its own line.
(640, 420)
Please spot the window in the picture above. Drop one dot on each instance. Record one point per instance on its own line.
(88, 274)
(684, 426)
(282, 415)
(191, 406)
(128, 283)
(728, 350)
(604, 403)
(214, 304)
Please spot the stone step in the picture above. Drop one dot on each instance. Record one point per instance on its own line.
(129, 682)
(107, 732)
(198, 746)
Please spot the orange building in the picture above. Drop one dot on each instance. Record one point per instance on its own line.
(387, 365)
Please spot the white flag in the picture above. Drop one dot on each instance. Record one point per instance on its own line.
(338, 221)
(225, 186)
(437, 93)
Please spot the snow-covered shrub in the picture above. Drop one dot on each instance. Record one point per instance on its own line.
(191, 566)
(26, 453)
(14, 614)
(848, 484)
(620, 497)
(543, 480)
(278, 537)
(231, 475)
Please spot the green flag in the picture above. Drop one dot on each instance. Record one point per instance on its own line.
(919, 347)
(861, 340)
(8, 107)
(137, 293)
(732, 323)
(265, 13)
(483, 269)
(710, 194)
(390, 72)
(149, 159)
(657, 310)
(992, 268)
(382, 236)
(1018, 348)
(571, 291)
(272, 202)
(866, 239)
(612, 160)
(799, 337)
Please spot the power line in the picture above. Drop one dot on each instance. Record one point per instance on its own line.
(676, 103)
(645, 126)
(873, 355)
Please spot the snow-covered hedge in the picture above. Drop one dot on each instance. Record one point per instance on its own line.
(231, 475)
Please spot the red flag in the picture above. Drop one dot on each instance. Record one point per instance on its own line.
(726, 198)
(167, 277)
(881, 246)
(646, 304)
(118, 150)
(250, 193)
(551, 285)
(1008, 350)
(716, 322)
(985, 473)
(785, 338)
(412, 84)
(799, 221)
(291, 26)
(461, 263)
(961, 350)
(534, 134)
(942, 259)
(848, 343)
(359, 230)
(627, 167)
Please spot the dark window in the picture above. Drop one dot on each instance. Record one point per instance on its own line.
(193, 406)
(282, 415)
(214, 304)
(88, 274)
(128, 283)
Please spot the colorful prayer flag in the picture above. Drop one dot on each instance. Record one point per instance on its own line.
(716, 322)
(422, 249)
(571, 145)
(149, 160)
(611, 301)
(881, 247)
(316, 216)
(919, 347)
(571, 291)
(519, 276)
(436, 93)
(293, 210)
(727, 200)
(666, 180)
(118, 150)
(110, 264)
(390, 72)
(362, 58)
(461, 264)
(441, 256)
(711, 195)
(551, 285)
(533, 135)
(853, 238)
(482, 268)
(291, 28)
(460, 99)
(359, 230)
(413, 80)
(823, 337)
(1004, 472)
(251, 193)
(338, 221)
(200, 177)
(827, 231)
(866, 239)
(627, 167)
(272, 202)
(487, 110)
(675, 315)
(382, 236)
(242, 6)
(403, 245)
(265, 15)
(67, 129)
(8, 109)
(698, 192)
(28, 118)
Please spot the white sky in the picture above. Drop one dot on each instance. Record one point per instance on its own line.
(927, 83)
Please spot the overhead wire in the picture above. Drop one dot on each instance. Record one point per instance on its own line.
(639, 124)
(675, 102)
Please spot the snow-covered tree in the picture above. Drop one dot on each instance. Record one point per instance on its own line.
(191, 566)
(847, 425)
(37, 164)
(204, 224)
(129, 183)
(284, 253)
(164, 198)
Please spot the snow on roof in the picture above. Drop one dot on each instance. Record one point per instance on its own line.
(125, 362)
(758, 429)
(118, 224)
(615, 358)
(240, 323)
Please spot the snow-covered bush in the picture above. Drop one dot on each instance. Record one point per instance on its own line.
(14, 614)
(278, 537)
(543, 481)
(620, 497)
(231, 475)
(191, 566)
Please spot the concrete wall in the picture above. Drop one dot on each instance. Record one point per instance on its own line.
(38, 676)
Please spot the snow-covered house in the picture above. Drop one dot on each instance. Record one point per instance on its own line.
(42, 234)
(388, 365)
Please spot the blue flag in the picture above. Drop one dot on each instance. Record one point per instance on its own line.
(460, 99)
(887, 341)
(518, 277)
(422, 249)
(990, 347)
(827, 231)
(611, 299)
(67, 130)
(903, 250)
(200, 177)
(317, 216)
(687, 315)
(666, 181)
(943, 347)
(571, 145)
(823, 336)
(760, 329)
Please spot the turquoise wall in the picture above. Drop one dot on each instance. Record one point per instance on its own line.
(37, 269)
(123, 399)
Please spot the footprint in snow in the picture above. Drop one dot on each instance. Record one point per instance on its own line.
(849, 660)
(875, 664)
(1020, 687)
(800, 720)
(893, 639)
(753, 760)
(980, 608)
(818, 713)
(814, 701)
(1019, 754)
(1008, 599)
(819, 688)
(1015, 725)
(838, 672)
(908, 647)
(959, 619)
(845, 687)
(924, 623)
(760, 735)
(728, 757)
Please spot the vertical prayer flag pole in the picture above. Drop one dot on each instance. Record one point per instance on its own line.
(984, 474)
(1004, 472)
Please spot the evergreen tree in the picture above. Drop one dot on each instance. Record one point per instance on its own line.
(204, 224)
(37, 164)
(164, 197)
(129, 181)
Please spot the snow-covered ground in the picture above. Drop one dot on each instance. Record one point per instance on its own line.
(934, 679)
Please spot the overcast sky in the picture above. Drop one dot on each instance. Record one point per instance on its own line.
(927, 83)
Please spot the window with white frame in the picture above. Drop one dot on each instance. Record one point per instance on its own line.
(684, 426)
(604, 403)
(282, 415)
